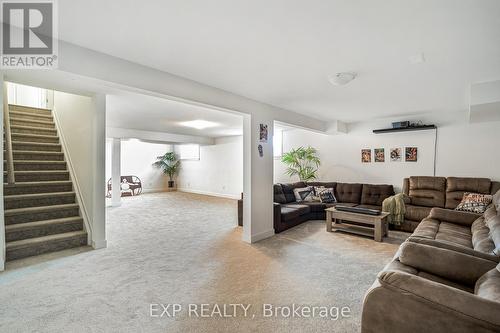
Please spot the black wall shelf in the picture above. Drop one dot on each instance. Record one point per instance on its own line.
(405, 129)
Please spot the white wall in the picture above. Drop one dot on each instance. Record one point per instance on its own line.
(74, 114)
(81, 124)
(136, 160)
(463, 149)
(218, 172)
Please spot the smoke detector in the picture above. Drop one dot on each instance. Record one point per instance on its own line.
(342, 78)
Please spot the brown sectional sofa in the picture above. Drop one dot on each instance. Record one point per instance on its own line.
(444, 278)
(426, 192)
(289, 213)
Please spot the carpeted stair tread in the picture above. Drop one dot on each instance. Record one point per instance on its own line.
(39, 240)
(34, 165)
(31, 109)
(37, 155)
(39, 162)
(49, 182)
(44, 244)
(15, 127)
(39, 123)
(28, 210)
(34, 172)
(39, 199)
(40, 144)
(38, 187)
(28, 137)
(36, 195)
(40, 116)
(17, 232)
(37, 224)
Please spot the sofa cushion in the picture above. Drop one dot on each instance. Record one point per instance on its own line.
(279, 196)
(444, 231)
(456, 187)
(348, 192)
(474, 202)
(427, 191)
(301, 208)
(416, 213)
(288, 190)
(454, 233)
(375, 194)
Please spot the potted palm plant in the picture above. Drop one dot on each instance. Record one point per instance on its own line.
(302, 162)
(170, 165)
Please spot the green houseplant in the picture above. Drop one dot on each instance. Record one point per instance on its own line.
(302, 162)
(169, 163)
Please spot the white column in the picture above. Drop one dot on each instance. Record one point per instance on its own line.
(116, 172)
(2, 220)
(257, 180)
(99, 156)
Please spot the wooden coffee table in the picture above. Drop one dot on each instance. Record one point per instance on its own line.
(374, 225)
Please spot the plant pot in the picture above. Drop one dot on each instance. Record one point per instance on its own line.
(171, 184)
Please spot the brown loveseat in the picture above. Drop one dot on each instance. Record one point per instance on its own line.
(444, 278)
(426, 192)
(288, 212)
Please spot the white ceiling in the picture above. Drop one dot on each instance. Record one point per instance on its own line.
(280, 52)
(149, 113)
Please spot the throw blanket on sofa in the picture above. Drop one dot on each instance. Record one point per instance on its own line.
(395, 206)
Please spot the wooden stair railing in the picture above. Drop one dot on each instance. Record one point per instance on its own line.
(8, 138)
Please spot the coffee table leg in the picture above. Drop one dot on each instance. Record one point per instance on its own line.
(329, 221)
(378, 231)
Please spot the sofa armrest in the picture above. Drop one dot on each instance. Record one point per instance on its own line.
(443, 298)
(454, 266)
(276, 215)
(453, 216)
(453, 247)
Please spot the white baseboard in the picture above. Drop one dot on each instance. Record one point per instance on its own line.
(99, 244)
(154, 190)
(212, 194)
(261, 235)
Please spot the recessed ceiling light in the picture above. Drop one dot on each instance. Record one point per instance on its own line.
(198, 124)
(342, 78)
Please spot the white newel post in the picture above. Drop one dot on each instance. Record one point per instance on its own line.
(99, 149)
(257, 179)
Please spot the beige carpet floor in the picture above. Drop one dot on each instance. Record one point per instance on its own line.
(185, 248)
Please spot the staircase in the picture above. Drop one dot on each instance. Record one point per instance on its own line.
(41, 213)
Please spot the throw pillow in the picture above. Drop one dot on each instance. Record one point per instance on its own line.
(303, 194)
(474, 202)
(279, 196)
(325, 194)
